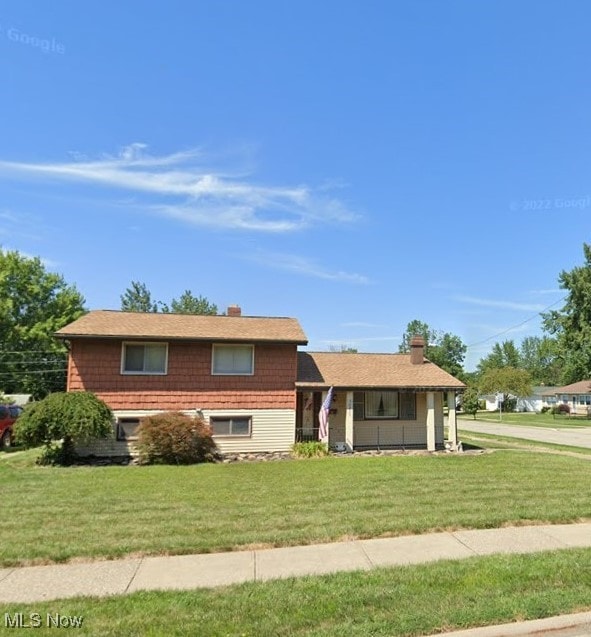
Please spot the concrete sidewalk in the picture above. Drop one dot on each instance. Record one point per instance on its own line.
(101, 578)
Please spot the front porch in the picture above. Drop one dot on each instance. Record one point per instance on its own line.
(379, 418)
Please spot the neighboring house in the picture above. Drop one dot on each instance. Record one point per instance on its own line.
(541, 396)
(576, 395)
(246, 377)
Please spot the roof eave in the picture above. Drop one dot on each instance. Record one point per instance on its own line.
(152, 337)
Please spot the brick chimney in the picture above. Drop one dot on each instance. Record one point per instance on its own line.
(417, 350)
(234, 310)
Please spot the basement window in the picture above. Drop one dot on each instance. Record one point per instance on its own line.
(234, 426)
(127, 428)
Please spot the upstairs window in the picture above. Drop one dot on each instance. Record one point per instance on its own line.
(233, 360)
(144, 358)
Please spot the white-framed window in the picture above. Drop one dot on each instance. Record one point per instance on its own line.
(144, 358)
(231, 426)
(127, 428)
(381, 404)
(232, 360)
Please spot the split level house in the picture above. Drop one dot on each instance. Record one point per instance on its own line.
(247, 378)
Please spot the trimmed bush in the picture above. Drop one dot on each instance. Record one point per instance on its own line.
(545, 409)
(175, 438)
(563, 408)
(312, 449)
(60, 420)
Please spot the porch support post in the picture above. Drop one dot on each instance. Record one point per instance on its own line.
(349, 422)
(452, 422)
(430, 421)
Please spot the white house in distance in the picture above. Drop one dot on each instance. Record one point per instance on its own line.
(541, 396)
(576, 395)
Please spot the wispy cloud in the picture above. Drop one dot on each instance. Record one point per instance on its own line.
(505, 305)
(545, 292)
(496, 329)
(182, 186)
(307, 267)
(21, 225)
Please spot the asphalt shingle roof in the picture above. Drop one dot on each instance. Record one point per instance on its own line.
(345, 369)
(582, 387)
(113, 324)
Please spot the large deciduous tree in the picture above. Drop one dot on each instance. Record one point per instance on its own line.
(572, 323)
(34, 304)
(442, 348)
(504, 354)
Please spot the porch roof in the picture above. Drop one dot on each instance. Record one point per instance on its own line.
(351, 370)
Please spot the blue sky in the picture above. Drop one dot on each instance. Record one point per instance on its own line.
(356, 164)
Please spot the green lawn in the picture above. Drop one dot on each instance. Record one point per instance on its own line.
(417, 600)
(531, 419)
(57, 514)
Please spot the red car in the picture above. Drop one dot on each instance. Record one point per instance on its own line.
(8, 416)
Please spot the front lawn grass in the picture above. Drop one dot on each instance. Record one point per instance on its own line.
(531, 419)
(57, 514)
(413, 600)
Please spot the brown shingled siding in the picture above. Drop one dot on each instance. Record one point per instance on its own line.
(96, 364)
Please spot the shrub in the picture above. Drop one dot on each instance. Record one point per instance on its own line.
(509, 404)
(60, 420)
(545, 409)
(563, 408)
(312, 449)
(175, 438)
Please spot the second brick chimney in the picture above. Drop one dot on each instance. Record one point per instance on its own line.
(234, 310)
(417, 350)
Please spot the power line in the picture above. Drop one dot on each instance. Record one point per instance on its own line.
(38, 371)
(531, 318)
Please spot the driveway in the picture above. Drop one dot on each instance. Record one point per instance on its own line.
(579, 437)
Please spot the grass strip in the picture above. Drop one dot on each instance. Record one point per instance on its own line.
(406, 601)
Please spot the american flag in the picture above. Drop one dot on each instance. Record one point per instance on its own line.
(323, 416)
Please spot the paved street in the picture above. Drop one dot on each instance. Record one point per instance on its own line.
(576, 437)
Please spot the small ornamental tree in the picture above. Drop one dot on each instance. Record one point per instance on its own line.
(175, 438)
(60, 420)
(470, 401)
